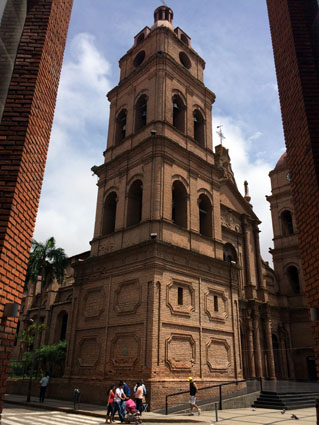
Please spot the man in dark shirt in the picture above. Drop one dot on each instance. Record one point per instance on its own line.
(192, 396)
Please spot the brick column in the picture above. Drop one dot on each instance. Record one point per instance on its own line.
(24, 137)
(294, 28)
(251, 356)
(259, 368)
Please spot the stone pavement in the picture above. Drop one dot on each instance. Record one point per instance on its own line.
(245, 416)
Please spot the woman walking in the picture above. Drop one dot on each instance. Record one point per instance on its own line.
(110, 405)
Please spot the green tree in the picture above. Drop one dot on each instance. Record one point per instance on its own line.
(46, 263)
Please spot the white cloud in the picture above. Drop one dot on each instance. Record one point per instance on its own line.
(255, 171)
(68, 201)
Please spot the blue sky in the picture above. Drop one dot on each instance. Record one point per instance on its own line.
(233, 38)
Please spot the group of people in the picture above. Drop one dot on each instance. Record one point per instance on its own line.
(121, 400)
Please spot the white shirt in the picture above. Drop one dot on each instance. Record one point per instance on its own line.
(44, 381)
(118, 394)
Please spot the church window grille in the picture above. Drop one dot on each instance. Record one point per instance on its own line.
(134, 206)
(109, 214)
(179, 204)
(178, 113)
(205, 216)
(199, 127)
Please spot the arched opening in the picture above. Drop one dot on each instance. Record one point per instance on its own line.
(286, 222)
(205, 216)
(178, 113)
(134, 206)
(179, 204)
(230, 253)
(109, 214)
(199, 133)
(141, 112)
(61, 326)
(293, 278)
(121, 126)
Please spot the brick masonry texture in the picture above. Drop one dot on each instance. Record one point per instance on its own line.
(24, 138)
(294, 24)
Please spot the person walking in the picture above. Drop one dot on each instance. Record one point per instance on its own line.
(192, 396)
(43, 386)
(110, 405)
(139, 397)
(119, 402)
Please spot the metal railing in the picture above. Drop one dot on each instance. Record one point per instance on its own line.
(220, 392)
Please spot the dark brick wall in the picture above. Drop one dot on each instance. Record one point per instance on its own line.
(24, 137)
(294, 30)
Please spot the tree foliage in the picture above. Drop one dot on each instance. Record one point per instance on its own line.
(46, 261)
(49, 358)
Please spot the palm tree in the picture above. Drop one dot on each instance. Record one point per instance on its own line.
(46, 263)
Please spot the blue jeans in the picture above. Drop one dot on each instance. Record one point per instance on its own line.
(120, 407)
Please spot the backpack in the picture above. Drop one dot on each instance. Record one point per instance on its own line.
(127, 390)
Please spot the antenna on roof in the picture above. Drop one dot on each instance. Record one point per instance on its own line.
(220, 134)
(163, 2)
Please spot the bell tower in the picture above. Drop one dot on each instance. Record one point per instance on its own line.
(159, 132)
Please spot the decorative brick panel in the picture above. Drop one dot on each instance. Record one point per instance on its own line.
(294, 29)
(24, 138)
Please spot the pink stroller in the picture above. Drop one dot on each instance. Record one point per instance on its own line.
(133, 415)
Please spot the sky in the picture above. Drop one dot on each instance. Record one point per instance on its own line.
(233, 38)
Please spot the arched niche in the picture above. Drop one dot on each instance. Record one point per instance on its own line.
(134, 204)
(205, 215)
(109, 214)
(179, 204)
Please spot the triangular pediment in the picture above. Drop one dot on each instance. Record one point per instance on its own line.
(231, 198)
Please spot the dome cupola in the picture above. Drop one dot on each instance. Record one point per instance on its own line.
(163, 16)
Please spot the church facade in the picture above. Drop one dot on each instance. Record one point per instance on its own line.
(174, 284)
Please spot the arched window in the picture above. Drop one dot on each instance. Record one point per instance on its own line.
(205, 216)
(134, 206)
(230, 253)
(178, 113)
(293, 278)
(121, 126)
(199, 133)
(179, 204)
(286, 222)
(109, 214)
(141, 112)
(61, 326)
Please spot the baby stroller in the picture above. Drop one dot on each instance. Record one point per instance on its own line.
(133, 415)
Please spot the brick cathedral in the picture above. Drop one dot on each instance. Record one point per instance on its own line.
(174, 284)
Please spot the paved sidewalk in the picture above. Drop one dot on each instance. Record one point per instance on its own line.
(99, 411)
(246, 416)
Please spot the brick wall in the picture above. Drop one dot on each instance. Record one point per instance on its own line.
(293, 29)
(24, 137)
